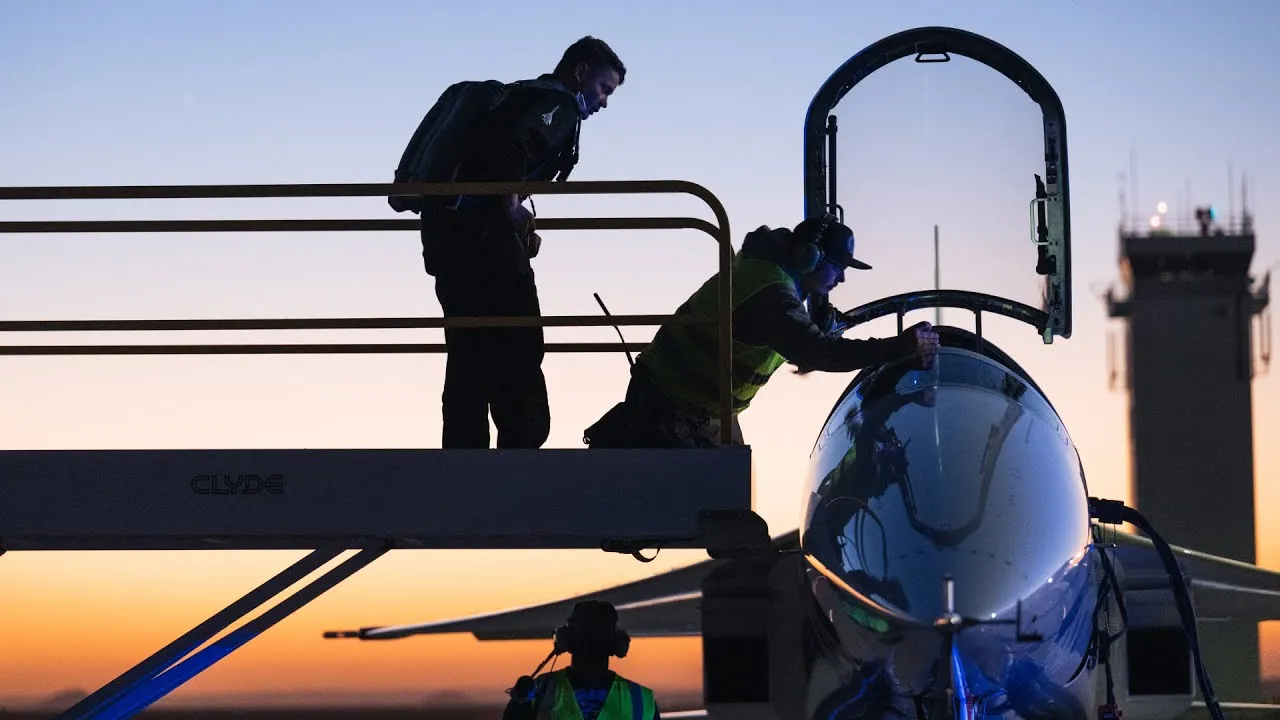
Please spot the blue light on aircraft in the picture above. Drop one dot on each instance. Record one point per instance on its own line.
(961, 680)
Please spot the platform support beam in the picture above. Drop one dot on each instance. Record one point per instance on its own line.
(157, 676)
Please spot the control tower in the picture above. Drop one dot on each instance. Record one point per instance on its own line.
(1189, 304)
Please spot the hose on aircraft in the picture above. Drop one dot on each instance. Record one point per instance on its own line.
(1114, 512)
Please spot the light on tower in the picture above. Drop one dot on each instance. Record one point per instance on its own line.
(1155, 221)
(1162, 208)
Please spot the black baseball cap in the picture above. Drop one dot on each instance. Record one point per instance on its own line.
(834, 237)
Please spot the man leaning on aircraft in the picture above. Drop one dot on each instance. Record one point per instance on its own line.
(673, 397)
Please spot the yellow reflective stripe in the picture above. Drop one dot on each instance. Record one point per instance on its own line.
(650, 706)
(617, 704)
(564, 705)
(684, 359)
(700, 378)
(560, 703)
(691, 383)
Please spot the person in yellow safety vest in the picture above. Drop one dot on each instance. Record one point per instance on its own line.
(673, 399)
(587, 689)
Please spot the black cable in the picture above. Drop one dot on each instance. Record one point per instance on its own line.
(1110, 710)
(1102, 636)
(1115, 585)
(1104, 640)
(1114, 512)
(524, 686)
(618, 329)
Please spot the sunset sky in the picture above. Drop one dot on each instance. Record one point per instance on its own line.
(234, 92)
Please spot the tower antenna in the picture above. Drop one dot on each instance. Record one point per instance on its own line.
(1124, 208)
(1133, 181)
(1231, 194)
(1188, 213)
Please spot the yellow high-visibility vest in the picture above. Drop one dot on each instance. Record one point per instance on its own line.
(683, 359)
(626, 700)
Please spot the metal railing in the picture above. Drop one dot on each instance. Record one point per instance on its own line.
(719, 231)
(1156, 225)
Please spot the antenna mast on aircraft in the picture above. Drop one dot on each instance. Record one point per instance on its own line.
(937, 276)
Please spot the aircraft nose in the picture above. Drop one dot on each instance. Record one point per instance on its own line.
(960, 471)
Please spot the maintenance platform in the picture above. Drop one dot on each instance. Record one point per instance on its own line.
(371, 500)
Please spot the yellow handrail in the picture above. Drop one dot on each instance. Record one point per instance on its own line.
(720, 231)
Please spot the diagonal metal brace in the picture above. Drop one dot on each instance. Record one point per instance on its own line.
(155, 677)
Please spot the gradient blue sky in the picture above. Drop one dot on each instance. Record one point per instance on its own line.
(716, 93)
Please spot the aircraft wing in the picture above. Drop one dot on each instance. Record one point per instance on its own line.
(665, 605)
(1221, 589)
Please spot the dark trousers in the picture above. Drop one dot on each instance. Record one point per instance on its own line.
(646, 418)
(495, 370)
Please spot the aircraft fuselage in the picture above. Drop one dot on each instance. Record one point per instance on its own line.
(948, 509)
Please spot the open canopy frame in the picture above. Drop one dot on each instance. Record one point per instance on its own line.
(1050, 202)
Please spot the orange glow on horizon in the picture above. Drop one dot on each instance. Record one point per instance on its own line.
(225, 94)
(291, 660)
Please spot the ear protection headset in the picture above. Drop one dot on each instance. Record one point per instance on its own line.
(808, 252)
(569, 638)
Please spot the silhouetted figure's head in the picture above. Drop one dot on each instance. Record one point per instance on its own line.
(591, 634)
(822, 249)
(590, 68)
